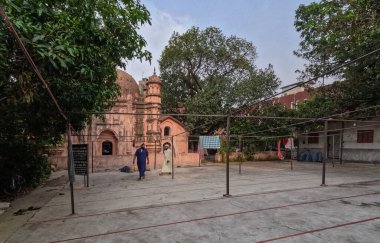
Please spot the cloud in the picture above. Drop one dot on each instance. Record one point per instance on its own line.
(157, 36)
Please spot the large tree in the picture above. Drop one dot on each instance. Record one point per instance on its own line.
(211, 73)
(336, 31)
(77, 46)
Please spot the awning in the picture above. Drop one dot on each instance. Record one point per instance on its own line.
(210, 142)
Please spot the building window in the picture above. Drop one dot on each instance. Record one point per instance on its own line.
(365, 136)
(167, 131)
(313, 138)
(107, 148)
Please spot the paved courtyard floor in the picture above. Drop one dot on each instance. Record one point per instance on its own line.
(269, 202)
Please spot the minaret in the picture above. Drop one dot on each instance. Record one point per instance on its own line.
(153, 110)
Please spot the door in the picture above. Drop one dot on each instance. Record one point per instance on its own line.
(334, 145)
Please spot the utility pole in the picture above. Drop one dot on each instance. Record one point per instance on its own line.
(228, 156)
(325, 154)
(172, 158)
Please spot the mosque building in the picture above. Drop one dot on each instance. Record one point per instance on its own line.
(134, 119)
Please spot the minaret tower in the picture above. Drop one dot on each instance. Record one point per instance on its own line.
(153, 111)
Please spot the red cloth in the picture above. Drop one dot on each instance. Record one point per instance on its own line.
(285, 141)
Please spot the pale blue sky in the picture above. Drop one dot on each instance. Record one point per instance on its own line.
(268, 24)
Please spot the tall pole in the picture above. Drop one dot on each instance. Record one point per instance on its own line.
(291, 153)
(228, 156)
(88, 167)
(298, 143)
(155, 152)
(333, 153)
(199, 151)
(341, 145)
(92, 156)
(172, 157)
(70, 167)
(325, 144)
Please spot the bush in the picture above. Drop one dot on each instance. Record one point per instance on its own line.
(22, 159)
(249, 155)
(240, 158)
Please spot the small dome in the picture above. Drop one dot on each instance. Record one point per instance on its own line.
(154, 78)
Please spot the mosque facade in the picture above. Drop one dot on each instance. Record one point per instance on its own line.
(134, 119)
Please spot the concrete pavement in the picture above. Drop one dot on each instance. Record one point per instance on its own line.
(269, 202)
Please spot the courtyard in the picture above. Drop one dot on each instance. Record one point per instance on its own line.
(268, 202)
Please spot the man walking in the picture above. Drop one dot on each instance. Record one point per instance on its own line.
(142, 158)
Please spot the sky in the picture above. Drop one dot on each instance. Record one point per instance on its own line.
(268, 24)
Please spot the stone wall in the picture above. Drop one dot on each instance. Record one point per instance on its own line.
(117, 161)
(361, 155)
(258, 156)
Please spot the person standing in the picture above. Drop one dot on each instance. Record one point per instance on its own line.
(142, 159)
(167, 164)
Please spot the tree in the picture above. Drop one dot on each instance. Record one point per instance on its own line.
(263, 126)
(335, 31)
(211, 73)
(77, 46)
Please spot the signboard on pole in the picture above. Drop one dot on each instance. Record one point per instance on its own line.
(80, 154)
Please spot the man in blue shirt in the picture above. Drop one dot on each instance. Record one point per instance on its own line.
(142, 158)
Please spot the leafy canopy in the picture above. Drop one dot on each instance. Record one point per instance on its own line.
(211, 73)
(77, 46)
(335, 31)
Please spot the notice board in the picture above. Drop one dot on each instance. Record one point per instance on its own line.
(80, 154)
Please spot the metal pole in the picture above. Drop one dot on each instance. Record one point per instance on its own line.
(240, 168)
(72, 198)
(155, 153)
(341, 145)
(88, 167)
(239, 143)
(92, 156)
(291, 154)
(199, 152)
(228, 156)
(291, 164)
(70, 166)
(172, 157)
(333, 150)
(88, 170)
(199, 159)
(324, 155)
(298, 144)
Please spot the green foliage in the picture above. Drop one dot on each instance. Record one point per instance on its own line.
(254, 126)
(22, 158)
(335, 31)
(211, 73)
(223, 147)
(240, 158)
(77, 46)
(249, 154)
